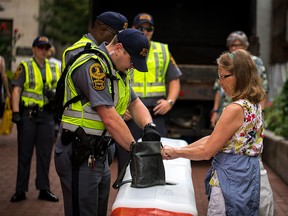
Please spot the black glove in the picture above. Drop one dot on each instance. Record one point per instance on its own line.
(150, 133)
(16, 117)
(49, 93)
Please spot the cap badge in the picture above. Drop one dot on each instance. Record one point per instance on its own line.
(125, 26)
(145, 17)
(144, 52)
(42, 38)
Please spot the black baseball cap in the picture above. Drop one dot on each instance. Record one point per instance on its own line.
(143, 18)
(113, 19)
(41, 40)
(137, 45)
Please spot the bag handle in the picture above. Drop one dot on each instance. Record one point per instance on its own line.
(118, 182)
(7, 104)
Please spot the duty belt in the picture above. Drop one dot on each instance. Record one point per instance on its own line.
(85, 146)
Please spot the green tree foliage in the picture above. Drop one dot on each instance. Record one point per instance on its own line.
(64, 21)
(276, 115)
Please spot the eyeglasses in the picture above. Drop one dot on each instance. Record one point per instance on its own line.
(222, 77)
(125, 52)
(148, 29)
(236, 45)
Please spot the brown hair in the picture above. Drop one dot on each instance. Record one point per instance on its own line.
(248, 82)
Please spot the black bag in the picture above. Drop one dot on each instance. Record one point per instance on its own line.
(146, 166)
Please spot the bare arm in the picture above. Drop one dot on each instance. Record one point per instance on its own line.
(116, 126)
(163, 106)
(263, 103)
(229, 122)
(4, 76)
(215, 111)
(139, 113)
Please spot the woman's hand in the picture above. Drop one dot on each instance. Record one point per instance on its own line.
(168, 153)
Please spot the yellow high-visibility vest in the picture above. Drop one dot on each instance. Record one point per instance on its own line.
(78, 114)
(152, 83)
(32, 93)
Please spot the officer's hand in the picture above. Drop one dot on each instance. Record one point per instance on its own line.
(150, 133)
(16, 117)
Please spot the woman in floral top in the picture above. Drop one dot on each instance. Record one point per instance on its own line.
(233, 182)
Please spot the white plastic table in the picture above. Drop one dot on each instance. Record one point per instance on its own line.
(167, 200)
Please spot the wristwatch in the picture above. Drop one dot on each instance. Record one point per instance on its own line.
(214, 110)
(150, 125)
(171, 102)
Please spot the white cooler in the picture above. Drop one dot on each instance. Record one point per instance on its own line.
(167, 200)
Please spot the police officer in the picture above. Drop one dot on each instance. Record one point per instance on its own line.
(88, 125)
(34, 84)
(105, 27)
(151, 86)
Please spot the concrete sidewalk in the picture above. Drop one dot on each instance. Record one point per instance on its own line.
(32, 206)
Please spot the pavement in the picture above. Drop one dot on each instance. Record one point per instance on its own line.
(32, 206)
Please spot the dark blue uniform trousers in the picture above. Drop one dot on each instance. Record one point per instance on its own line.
(38, 131)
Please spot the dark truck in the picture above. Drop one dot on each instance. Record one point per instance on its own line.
(196, 33)
(190, 115)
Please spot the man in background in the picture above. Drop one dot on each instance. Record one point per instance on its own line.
(151, 86)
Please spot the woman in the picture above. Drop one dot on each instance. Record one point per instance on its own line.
(4, 78)
(233, 182)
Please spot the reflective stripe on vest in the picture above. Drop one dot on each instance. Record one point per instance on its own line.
(77, 114)
(32, 93)
(152, 84)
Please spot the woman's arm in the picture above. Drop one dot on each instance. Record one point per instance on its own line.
(4, 76)
(231, 119)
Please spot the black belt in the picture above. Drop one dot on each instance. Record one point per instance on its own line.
(85, 145)
(68, 136)
(36, 108)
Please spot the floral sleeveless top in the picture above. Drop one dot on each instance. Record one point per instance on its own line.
(248, 140)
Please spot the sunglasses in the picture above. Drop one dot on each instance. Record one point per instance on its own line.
(43, 47)
(148, 29)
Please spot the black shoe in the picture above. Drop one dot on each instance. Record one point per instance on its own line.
(48, 196)
(18, 196)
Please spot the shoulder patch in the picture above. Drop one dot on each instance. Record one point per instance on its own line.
(97, 76)
(173, 60)
(18, 72)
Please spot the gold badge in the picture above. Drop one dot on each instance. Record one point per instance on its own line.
(144, 52)
(98, 76)
(18, 72)
(145, 17)
(125, 25)
(173, 60)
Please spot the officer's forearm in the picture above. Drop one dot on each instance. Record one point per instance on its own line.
(116, 126)
(174, 90)
(140, 113)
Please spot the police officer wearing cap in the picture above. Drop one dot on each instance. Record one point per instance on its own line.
(34, 84)
(89, 124)
(151, 86)
(105, 27)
